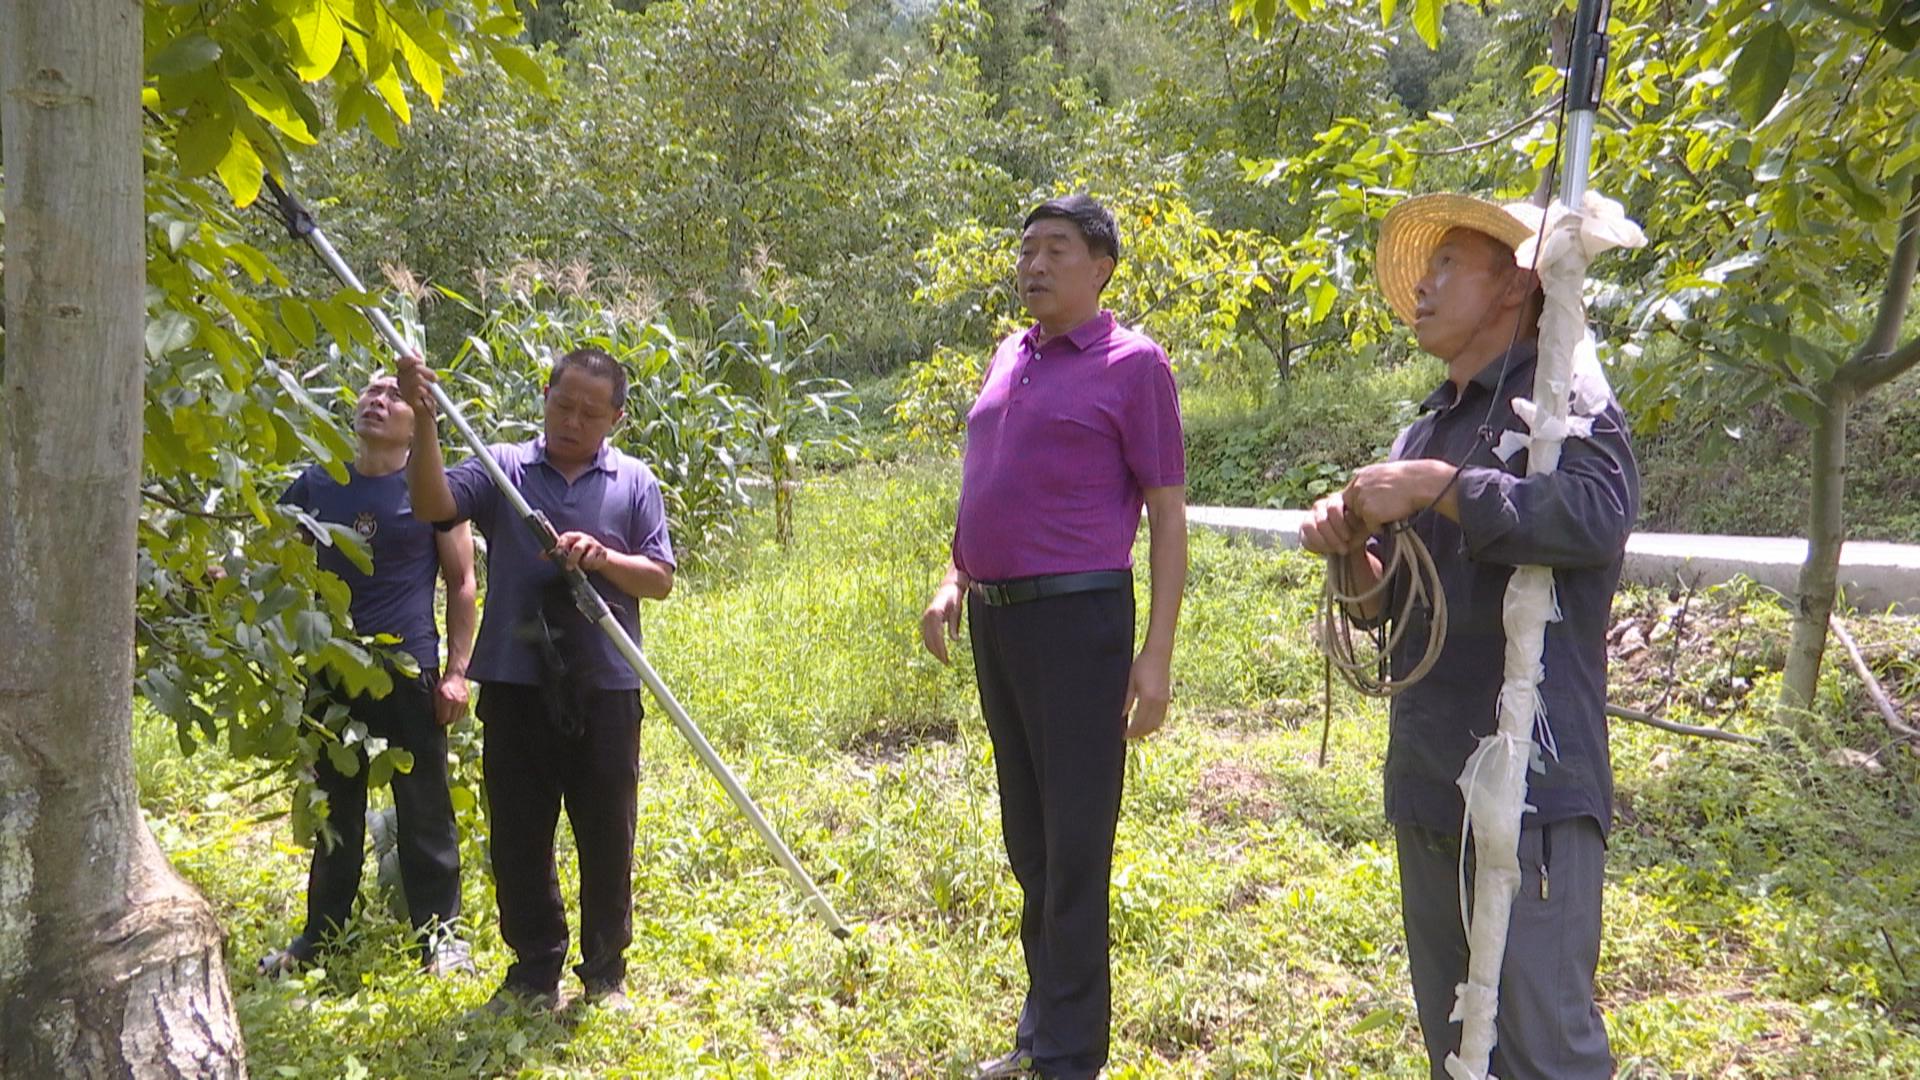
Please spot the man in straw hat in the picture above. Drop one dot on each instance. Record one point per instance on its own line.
(1447, 266)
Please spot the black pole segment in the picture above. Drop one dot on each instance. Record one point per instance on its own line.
(1587, 55)
(297, 219)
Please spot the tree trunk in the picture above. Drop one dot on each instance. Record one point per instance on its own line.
(1051, 15)
(1826, 532)
(1284, 362)
(1874, 363)
(110, 965)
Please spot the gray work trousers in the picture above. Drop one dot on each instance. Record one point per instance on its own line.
(1548, 1027)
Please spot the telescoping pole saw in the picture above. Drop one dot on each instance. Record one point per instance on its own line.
(1586, 79)
(1495, 779)
(301, 224)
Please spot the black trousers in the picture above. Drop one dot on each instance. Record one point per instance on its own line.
(531, 771)
(1053, 678)
(428, 840)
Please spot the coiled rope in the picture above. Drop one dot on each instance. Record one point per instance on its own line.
(1340, 597)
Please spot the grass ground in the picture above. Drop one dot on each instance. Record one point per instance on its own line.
(1760, 903)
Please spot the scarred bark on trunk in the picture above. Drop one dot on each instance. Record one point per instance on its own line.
(110, 964)
(140, 992)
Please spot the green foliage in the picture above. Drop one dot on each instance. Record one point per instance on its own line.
(1760, 74)
(1776, 251)
(709, 409)
(1307, 438)
(1345, 171)
(769, 356)
(1180, 281)
(689, 144)
(1786, 132)
(1260, 12)
(1232, 96)
(1765, 155)
(224, 92)
(1711, 470)
(936, 396)
(1237, 279)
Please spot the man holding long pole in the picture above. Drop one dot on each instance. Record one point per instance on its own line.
(560, 705)
(1447, 267)
(1077, 426)
(1528, 500)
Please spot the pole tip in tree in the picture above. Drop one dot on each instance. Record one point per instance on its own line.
(297, 218)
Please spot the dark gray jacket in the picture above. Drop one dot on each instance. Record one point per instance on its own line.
(1575, 520)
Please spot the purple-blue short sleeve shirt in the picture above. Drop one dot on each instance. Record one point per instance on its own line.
(1061, 444)
(617, 501)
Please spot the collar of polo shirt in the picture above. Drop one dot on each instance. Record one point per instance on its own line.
(1082, 336)
(1487, 378)
(600, 456)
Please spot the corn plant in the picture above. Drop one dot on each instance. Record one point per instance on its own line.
(787, 414)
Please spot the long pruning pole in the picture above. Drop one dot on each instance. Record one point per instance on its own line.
(300, 222)
(1586, 79)
(1495, 780)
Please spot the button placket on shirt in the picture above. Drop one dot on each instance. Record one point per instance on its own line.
(1023, 370)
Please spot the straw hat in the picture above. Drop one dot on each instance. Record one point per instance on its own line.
(1411, 231)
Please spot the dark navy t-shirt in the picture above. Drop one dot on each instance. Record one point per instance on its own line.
(397, 598)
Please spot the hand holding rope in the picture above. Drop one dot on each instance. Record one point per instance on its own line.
(1341, 597)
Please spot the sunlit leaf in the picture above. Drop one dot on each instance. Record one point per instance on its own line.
(1760, 74)
(241, 170)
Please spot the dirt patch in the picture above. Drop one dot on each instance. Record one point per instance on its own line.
(1703, 650)
(889, 744)
(1230, 793)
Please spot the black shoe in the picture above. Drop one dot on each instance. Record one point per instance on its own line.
(1015, 1062)
(608, 996)
(511, 1000)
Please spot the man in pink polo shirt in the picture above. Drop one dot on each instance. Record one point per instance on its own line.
(1077, 426)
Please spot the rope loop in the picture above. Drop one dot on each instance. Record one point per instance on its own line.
(1410, 563)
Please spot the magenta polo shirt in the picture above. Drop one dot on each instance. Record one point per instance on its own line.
(1060, 445)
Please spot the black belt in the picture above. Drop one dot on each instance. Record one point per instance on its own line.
(1021, 590)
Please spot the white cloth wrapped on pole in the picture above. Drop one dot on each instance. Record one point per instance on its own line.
(1569, 390)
